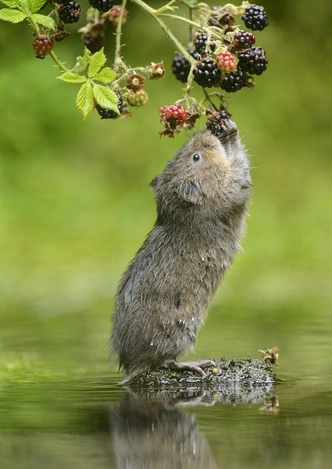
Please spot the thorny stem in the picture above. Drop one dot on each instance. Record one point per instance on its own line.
(192, 23)
(208, 98)
(117, 58)
(58, 62)
(163, 26)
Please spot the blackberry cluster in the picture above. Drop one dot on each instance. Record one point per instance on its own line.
(102, 5)
(69, 12)
(200, 44)
(234, 81)
(107, 113)
(255, 18)
(244, 40)
(181, 66)
(207, 73)
(216, 122)
(253, 60)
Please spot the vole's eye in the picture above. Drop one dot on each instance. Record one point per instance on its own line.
(196, 157)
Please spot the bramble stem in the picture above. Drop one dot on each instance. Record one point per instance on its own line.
(117, 58)
(58, 62)
(163, 26)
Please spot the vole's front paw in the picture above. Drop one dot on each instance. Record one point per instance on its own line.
(229, 131)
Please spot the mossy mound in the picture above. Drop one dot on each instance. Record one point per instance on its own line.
(246, 372)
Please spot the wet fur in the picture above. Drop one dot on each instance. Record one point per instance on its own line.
(164, 294)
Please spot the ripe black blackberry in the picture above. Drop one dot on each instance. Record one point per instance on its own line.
(69, 12)
(255, 18)
(181, 66)
(207, 73)
(200, 44)
(102, 5)
(107, 113)
(234, 81)
(93, 43)
(216, 122)
(253, 60)
(244, 40)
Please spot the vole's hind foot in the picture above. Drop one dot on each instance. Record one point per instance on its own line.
(188, 366)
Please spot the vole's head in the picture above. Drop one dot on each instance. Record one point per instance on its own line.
(203, 173)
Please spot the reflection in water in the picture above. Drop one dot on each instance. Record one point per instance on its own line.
(152, 432)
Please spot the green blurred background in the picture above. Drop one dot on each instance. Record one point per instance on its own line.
(75, 203)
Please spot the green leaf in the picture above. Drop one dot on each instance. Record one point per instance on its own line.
(84, 99)
(105, 97)
(11, 3)
(80, 65)
(35, 5)
(14, 16)
(44, 20)
(106, 75)
(189, 2)
(71, 77)
(87, 54)
(97, 61)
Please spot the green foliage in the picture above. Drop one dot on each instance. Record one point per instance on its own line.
(14, 16)
(46, 21)
(84, 98)
(90, 90)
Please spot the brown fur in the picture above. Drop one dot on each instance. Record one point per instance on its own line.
(164, 294)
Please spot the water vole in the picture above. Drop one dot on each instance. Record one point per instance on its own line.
(163, 296)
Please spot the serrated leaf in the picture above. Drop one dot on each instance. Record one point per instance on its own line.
(35, 5)
(105, 97)
(97, 61)
(84, 99)
(71, 77)
(80, 65)
(87, 54)
(44, 20)
(14, 16)
(11, 3)
(106, 75)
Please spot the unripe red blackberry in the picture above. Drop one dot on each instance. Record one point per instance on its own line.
(114, 15)
(102, 5)
(173, 115)
(253, 60)
(216, 122)
(234, 81)
(255, 18)
(207, 73)
(69, 12)
(137, 98)
(108, 113)
(42, 46)
(226, 62)
(244, 40)
(181, 66)
(200, 44)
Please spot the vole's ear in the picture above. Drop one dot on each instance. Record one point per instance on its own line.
(191, 191)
